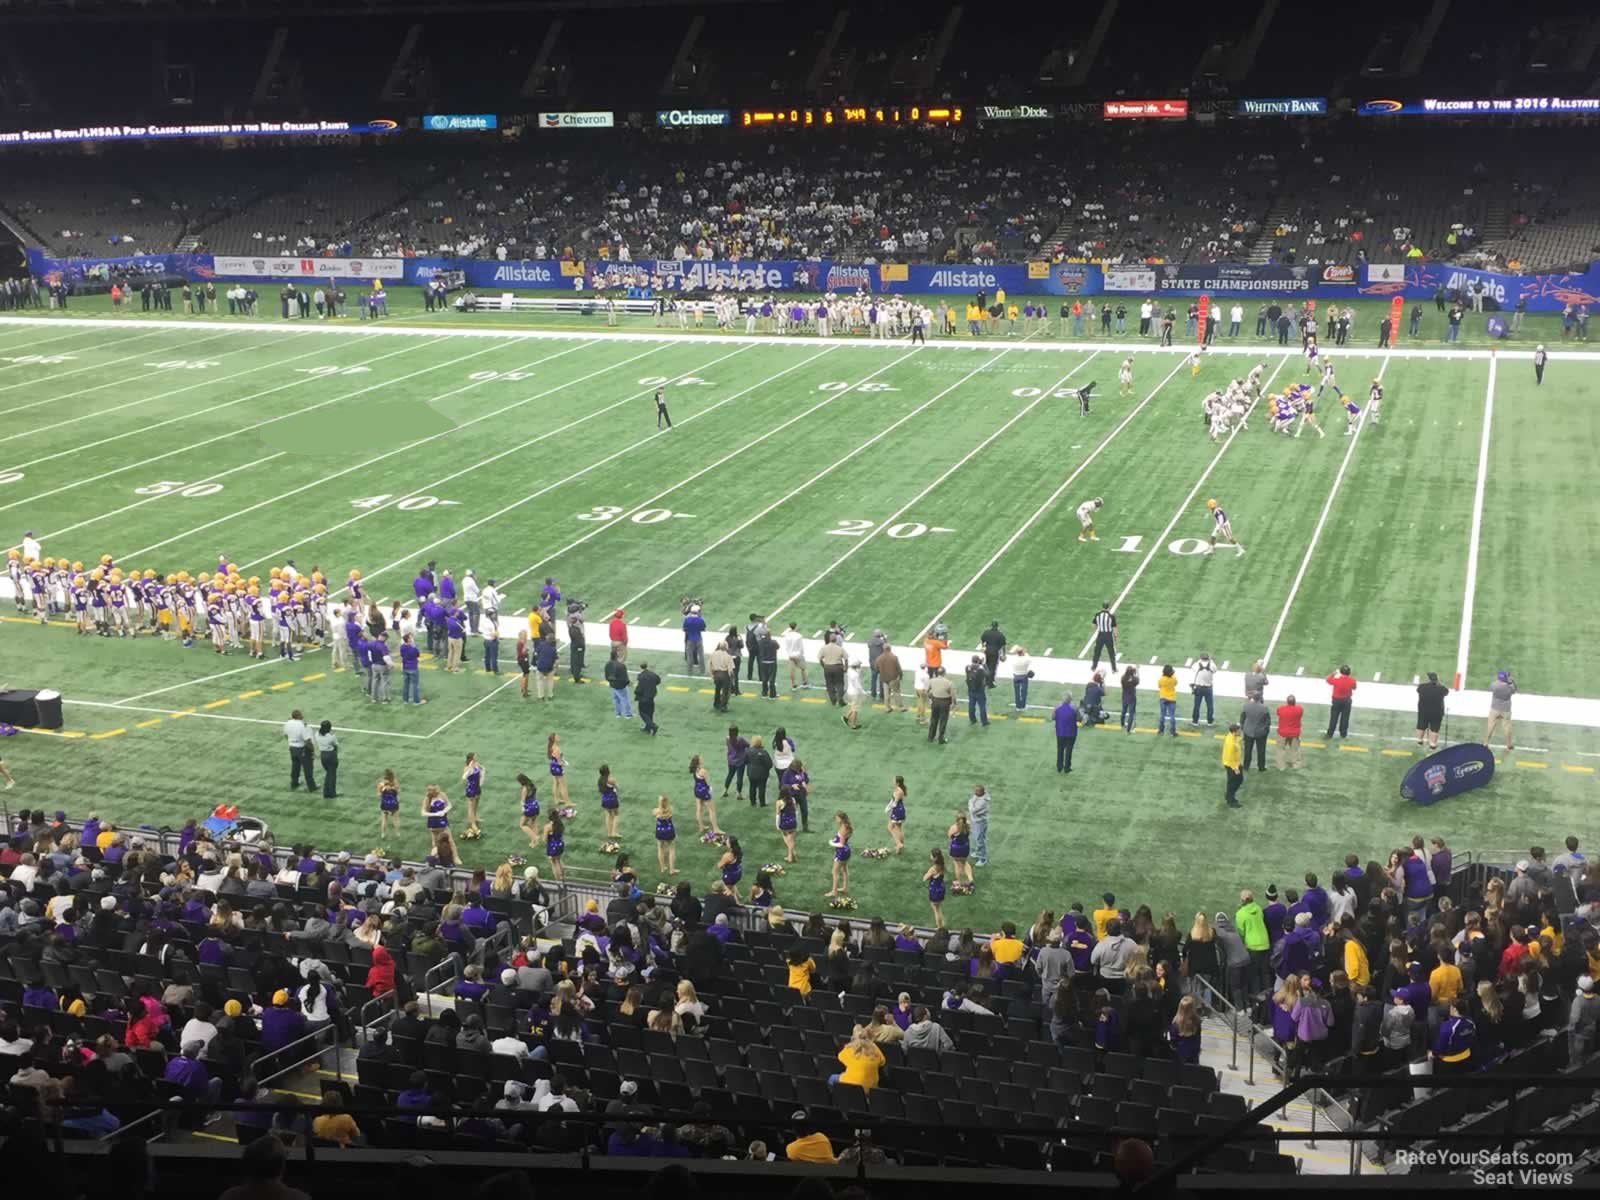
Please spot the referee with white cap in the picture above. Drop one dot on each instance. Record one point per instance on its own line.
(1539, 359)
(1105, 635)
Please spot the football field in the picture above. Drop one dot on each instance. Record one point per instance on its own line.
(872, 483)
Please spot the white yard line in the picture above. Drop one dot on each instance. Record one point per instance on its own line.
(481, 700)
(939, 479)
(793, 492)
(26, 345)
(1316, 533)
(1250, 349)
(175, 687)
(1045, 507)
(427, 488)
(712, 466)
(117, 512)
(119, 383)
(87, 366)
(1469, 596)
(232, 433)
(549, 487)
(1183, 508)
(343, 471)
(187, 714)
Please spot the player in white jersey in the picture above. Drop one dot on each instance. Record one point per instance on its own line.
(1086, 512)
(1375, 400)
(1328, 380)
(1221, 526)
(1311, 354)
(1252, 381)
(1125, 377)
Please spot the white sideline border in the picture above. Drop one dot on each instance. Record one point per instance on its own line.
(986, 345)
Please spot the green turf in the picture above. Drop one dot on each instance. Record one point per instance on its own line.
(521, 440)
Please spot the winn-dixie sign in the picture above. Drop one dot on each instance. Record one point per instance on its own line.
(1016, 112)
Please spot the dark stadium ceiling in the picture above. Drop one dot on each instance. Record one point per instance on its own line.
(202, 10)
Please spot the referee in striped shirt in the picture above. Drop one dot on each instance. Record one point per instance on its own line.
(1105, 635)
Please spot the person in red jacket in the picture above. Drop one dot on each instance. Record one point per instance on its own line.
(619, 635)
(1343, 684)
(1290, 715)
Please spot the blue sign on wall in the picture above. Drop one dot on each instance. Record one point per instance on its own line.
(1286, 106)
(455, 122)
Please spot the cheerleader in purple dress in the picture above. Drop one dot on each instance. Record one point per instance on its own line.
(555, 845)
(610, 803)
(704, 805)
(558, 773)
(896, 808)
(934, 878)
(666, 838)
(472, 781)
(786, 822)
(436, 810)
(731, 865)
(960, 847)
(841, 855)
(388, 803)
(529, 798)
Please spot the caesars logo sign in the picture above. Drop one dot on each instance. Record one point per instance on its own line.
(1338, 274)
(577, 120)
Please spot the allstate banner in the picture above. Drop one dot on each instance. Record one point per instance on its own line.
(75, 270)
(1449, 772)
(263, 266)
(1538, 293)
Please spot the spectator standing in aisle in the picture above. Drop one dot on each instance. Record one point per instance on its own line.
(977, 692)
(1290, 718)
(767, 655)
(617, 631)
(645, 686)
(545, 661)
(694, 649)
(794, 649)
(721, 663)
(1343, 684)
(1235, 319)
(994, 645)
(887, 674)
(577, 643)
(1021, 672)
(298, 735)
(832, 660)
(1416, 320)
(617, 680)
(1167, 706)
(1066, 723)
(1255, 723)
(489, 626)
(876, 645)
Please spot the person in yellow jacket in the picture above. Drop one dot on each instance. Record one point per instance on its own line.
(1233, 763)
(1356, 965)
(1167, 714)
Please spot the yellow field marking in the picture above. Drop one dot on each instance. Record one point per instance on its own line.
(182, 712)
(287, 683)
(803, 699)
(1577, 770)
(1353, 749)
(60, 733)
(1000, 717)
(251, 695)
(215, 1137)
(1186, 733)
(707, 691)
(110, 733)
(1031, 720)
(1537, 766)
(216, 704)
(1315, 745)
(427, 667)
(313, 678)
(148, 724)
(1397, 754)
(672, 687)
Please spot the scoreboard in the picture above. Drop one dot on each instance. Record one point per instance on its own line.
(824, 118)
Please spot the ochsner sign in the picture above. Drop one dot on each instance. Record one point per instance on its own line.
(694, 116)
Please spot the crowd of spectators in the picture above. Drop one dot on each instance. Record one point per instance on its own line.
(128, 975)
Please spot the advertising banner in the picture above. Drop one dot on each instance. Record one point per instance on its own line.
(244, 266)
(1234, 277)
(577, 120)
(1448, 772)
(1287, 106)
(453, 122)
(1129, 279)
(77, 270)
(674, 118)
(1016, 112)
(1538, 293)
(1486, 106)
(1145, 109)
(141, 133)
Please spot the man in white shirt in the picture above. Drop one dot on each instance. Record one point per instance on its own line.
(794, 649)
(471, 596)
(199, 1027)
(489, 597)
(26, 872)
(298, 735)
(515, 1047)
(1205, 673)
(1235, 318)
(31, 547)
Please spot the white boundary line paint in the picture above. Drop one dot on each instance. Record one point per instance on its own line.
(1045, 507)
(36, 496)
(27, 346)
(480, 700)
(276, 362)
(793, 492)
(981, 345)
(712, 466)
(1469, 596)
(151, 499)
(87, 366)
(427, 488)
(175, 687)
(1047, 394)
(1161, 539)
(187, 714)
(343, 471)
(1316, 533)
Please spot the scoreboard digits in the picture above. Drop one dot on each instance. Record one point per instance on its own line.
(805, 118)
